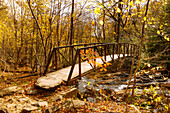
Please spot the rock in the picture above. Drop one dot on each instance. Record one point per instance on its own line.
(53, 109)
(46, 111)
(1, 100)
(29, 108)
(91, 99)
(31, 90)
(123, 75)
(115, 74)
(67, 104)
(158, 76)
(4, 110)
(69, 94)
(56, 98)
(9, 90)
(139, 81)
(48, 82)
(78, 103)
(145, 80)
(41, 104)
(11, 105)
(161, 80)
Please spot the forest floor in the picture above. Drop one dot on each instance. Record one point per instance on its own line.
(96, 92)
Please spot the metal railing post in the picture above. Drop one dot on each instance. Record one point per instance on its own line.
(131, 50)
(95, 57)
(48, 63)
(118, 46)
(79, 63)
(56, 60)
(124, 51)
(72, 54)
(127, 51)
(105, 52)
(113, 53)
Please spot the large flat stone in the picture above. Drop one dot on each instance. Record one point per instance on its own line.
(9, 90)
(70, 93)
(47, 82)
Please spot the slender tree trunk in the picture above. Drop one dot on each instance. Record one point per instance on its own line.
(58, 23)
(71, 33)
(118, 25)
(71, 24)
(103, 29)
(140, 49)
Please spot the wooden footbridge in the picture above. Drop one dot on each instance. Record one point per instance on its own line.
(68, 62)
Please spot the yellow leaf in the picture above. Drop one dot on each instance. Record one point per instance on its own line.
(132, 14)
(123, 17)
(144, 18)
(101, 22)
(152, 18)
(93, 23)
(131, 3)
(105, 69)
(101, 69)
(161, 26)
(88, 83)
(158, 32)
(150, 76)
(95, 77)
(81, 96)
(118, 10)
(97, 10)
(108, 63)
(100, 90)
(5, 78)
(121, 3)
(150, 23)
(149, 65)
(137, 2)
(85, 100)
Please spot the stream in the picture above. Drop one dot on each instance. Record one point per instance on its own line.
(115, 82)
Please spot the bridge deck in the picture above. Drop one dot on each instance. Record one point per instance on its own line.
(55, 78)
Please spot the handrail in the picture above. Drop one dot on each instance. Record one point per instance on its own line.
(57, 49)
(109, 49)
(95, 46)
(76, 45)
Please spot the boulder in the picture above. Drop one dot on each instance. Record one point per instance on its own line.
(4, 110)
(53, 109)
(29, 108)
(48, 82)
(67, 104)
(41, 104)
(70, 93)
(31, 90)
(78, 103)
(56, 98)
(10, 90)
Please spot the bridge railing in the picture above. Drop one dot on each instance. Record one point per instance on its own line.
(70, 55)
(103, 50)
(63, 56)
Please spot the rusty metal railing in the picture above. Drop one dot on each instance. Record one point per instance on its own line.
(103, 49)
